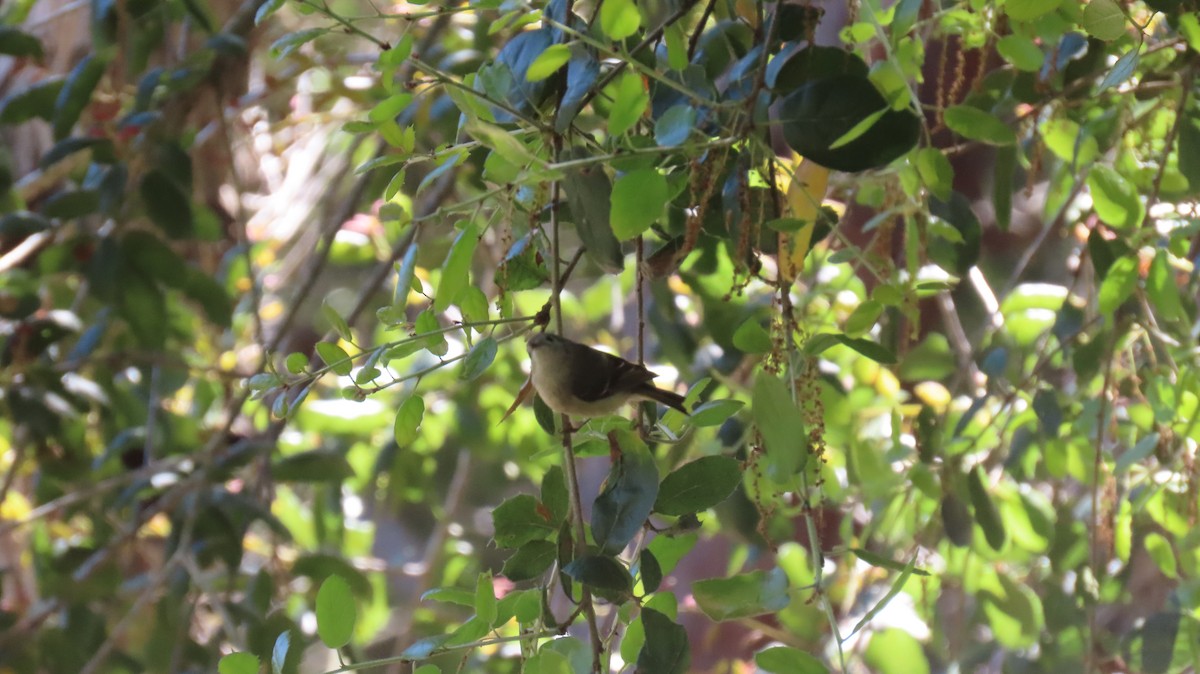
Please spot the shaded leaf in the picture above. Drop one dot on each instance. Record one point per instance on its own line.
(698, 485)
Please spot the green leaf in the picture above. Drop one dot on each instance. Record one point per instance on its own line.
(404, 276)
(265, 10)
(530, 561)
(1159, 549)
(788, 660)
(19, 44)
(863, 318)
(455, 272)
(629, 103)
(336, 322)
(752, 337)
(976, 124)
(698, 485)
(555, 495)
(336, 612)
(649, 570)
(936, 172)
(665, 650)
(619, 18)
(1158, 642)
(408, 420)
(1022, 52)
(479, 359)
(1163, 289)
(168, 206)
(742, 596)
(956, 520)
(886, 563)
(290, 42)
(485, 599)
(335, 358)
(589, 194)
(627, 498)
(1104, 20)
(1188, 152)
(238, 663)
(894, 651)
(316, 465)
(986, 513)
(75, 94)
(779, 422)
(842, 122)
(36, 100)
(1002, 185)
(548, 63)
(714, 412)
(1118, 284)
(1014, 612)
(519, 520)
(1122, 70)
(675, 125)
(1027, 10)
(1136, 454)
(1116, 200)
(601, 572)
(638, 198)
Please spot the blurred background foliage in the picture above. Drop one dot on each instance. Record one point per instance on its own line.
(265, 269)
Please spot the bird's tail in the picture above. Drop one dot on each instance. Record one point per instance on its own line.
(669, 398)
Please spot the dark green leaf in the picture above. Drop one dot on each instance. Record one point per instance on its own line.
(210, 295)
(601, 572)
(666, 648)
(519, 520)
(71, 204)
(293, 41)
(167, 205)
(956, 520)
(319, 566)
(336, 612)
(554, 494)
(19, 44)
(36, 100)
(1002, 185)
(986, 512)
(582, 72)
(1049, 413)
(1104, 20)
(1158, 642)
(69, 146)
(628, 496)
(316, 465)
(650, 571)
(1187, 150)
(589, 195)
(75, 94)
(742, 596)
(698, 485)
(885, 563)
(955, 256)
(675, 125)
(822, 111)
(530, 561)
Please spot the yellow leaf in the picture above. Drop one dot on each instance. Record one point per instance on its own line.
(805, 190)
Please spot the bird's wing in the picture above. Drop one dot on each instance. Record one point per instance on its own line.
(624, 376)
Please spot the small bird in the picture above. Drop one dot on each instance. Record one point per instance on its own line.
(578, 380)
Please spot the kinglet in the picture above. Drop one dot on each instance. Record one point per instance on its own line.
(578, 380)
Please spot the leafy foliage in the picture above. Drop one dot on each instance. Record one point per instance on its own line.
(929, 269)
